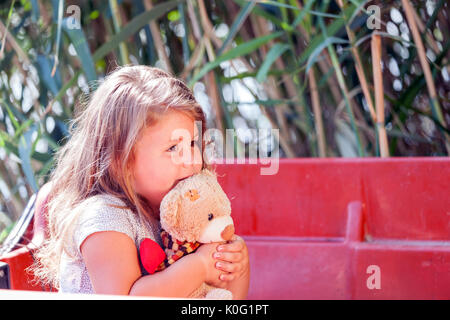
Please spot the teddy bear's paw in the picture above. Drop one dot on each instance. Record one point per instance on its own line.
(219, 294)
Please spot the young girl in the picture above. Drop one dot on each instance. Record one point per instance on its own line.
(109, 180)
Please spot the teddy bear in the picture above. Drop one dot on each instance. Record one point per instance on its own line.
(194, 212)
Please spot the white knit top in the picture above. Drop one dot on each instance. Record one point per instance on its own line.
(100, 216)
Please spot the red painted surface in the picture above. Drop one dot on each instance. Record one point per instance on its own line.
(307, 242)
(315, 227)
(18, 260)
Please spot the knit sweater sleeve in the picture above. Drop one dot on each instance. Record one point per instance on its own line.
(101, 215)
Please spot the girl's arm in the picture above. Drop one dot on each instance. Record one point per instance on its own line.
(183, 277)
(112, 262)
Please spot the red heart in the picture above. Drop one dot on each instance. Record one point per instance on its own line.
(151, 255)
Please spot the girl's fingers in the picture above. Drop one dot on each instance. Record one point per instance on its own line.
(233, 246)
(227, 277)
(228, 256)
(227, 266)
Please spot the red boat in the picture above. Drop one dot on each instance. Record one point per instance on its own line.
(335, 228)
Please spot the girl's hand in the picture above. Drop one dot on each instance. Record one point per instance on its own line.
(233, 259)
(212, 274)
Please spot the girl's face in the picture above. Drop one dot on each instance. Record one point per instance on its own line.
(166, 153)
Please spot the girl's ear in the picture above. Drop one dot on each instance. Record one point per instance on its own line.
(169, 208)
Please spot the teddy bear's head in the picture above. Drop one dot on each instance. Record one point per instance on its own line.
(197, 210)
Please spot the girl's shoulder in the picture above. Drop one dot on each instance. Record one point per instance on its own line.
(105, 206)
(104, 212)
(106, 200)
(108, 213)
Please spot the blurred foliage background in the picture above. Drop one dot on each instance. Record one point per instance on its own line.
(344, 78)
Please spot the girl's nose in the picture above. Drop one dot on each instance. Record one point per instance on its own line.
(194, 159)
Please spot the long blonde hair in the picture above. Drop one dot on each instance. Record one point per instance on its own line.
(98, 157)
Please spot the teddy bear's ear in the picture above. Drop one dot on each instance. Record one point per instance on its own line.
(169, 208)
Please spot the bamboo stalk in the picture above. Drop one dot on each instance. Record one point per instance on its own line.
(360, 71)
(117, 21)
(213, 94)
(379, 94)
(317, 114)
(423, 30)
(343, 87)
(337, 84)
(324, 65)
(209, 32)
(194, 21)
(12, 41)
(261, 28)
(194, 60)
(426, 70)
(58, 36)
(158, 42)
(43, 12)
(293, 90)
(332, 85)
(274, 93)
(210, 83)
(206, 24)
(283, 143)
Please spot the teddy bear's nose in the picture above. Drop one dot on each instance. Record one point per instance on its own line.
(228, 232)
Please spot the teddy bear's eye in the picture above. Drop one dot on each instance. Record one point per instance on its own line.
(210, 216)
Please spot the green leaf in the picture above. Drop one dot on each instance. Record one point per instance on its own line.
(133, 26)
(25, 148)
(24, 126)
(302, 13)
(94, 15)
(6, 231)
(58, 31)
(12, 114)
(45, 71)
(238, 51)
(173, 15)
(185, 39)
(305, 9)
(78, 39)
(331, 30)
(318, 49)
(359, 8)
(237, 23)
(273, 54)
(261, 13)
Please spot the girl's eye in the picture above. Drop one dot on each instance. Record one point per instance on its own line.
(210, 216)
(174, 147)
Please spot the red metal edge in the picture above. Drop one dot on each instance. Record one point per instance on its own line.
(19, 260)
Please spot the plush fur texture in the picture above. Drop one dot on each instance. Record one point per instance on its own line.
(186, 209)
(198, 209)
